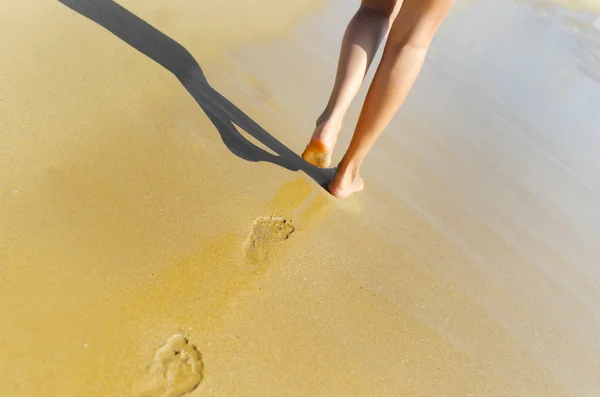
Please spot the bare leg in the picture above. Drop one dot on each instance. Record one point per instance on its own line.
(403, 57)
(363, 36)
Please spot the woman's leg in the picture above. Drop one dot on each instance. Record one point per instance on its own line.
(404, 54)
(362, 38)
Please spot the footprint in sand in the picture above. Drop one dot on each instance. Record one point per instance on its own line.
(266, 230)
(176, 369)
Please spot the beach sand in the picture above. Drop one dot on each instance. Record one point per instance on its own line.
(144, 251)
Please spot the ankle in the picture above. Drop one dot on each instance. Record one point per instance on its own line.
(349, 168)
(327, 130)
(332, 115)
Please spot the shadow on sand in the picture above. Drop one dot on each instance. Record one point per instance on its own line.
(175, 58)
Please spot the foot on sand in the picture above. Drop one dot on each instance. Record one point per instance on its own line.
(265, 231)
(319, 149)
(345, 182)
(176, 369)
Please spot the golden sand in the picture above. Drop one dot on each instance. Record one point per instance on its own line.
(141, 257)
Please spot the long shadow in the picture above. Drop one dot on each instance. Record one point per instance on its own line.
(175, 58)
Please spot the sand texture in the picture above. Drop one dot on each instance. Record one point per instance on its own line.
(161, 237)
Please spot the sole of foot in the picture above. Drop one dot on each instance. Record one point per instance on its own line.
(317, 154)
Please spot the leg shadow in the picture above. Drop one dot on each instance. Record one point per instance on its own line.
(176, 59)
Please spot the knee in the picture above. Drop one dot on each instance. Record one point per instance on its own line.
(415, 38)
(417, 44)
(416, 25)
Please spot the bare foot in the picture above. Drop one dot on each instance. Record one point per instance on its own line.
(317, 154)
(319, 149)
(345, 182)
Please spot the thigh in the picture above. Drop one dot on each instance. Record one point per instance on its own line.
(388, 7)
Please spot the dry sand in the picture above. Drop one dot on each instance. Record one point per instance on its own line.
(469, 266)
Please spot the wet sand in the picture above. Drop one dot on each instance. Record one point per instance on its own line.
(469, 266)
